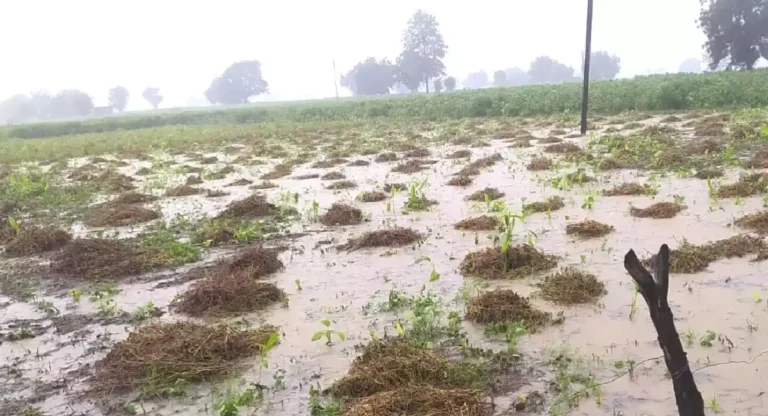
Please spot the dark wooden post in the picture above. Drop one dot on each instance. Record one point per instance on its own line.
(654, 289)
(587, 59)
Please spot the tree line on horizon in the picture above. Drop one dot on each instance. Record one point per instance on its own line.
(736, 39)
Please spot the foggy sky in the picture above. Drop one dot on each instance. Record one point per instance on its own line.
(180, 46)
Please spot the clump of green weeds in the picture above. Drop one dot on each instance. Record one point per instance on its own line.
(328, 333)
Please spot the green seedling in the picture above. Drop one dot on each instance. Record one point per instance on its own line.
(107, 307)
(633, 306)
(689, 336)
(327, 333)
(279, 377)
(179, 388)
(532, 237)
(708, 339)
(713, 404)
(417, 198)
(433, 275)
(264, 349)
(298, 285)
(22, 333)
(103, 291)
(679, 199)
(129, 409)
(144, 312)
(47, 307)
(14, 224)
(75, 295)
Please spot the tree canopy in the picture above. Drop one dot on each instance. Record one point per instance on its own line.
(423, 51)
(118, 98)
(152, 95)
(71, 103)
(370, 77)
(450, 84)
(736, 30)
(500, 78)
(476, 80)
(239, 82)
(604, 66)
(545, 70)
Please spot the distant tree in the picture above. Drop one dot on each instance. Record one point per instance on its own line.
(476, 80)
(42, 107)
(499, 78)
(516, 76)
(450, 84)
(691, 65)
(423, 51)
(370, 77)
(152, 95)
(241, 81)
(16, 108)
(545, 70)
(438, 85)
(736, 30)
(71, 103)
(118, 98)
(604, 66)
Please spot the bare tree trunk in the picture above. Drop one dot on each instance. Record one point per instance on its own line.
(654, 289)
(426, 82)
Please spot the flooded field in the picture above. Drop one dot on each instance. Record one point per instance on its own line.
(471, 267)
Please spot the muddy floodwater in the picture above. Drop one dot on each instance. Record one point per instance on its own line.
(50, 367)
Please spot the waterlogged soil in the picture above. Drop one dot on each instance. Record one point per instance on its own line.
(51, 369)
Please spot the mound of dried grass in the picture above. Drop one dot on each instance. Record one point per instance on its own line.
(540, 163)
(658, 210)
(481, 195)
(422, 400)
(119, 215)
(157, 355)
(255, 262)
(553, 203)
(332, 176)
(239, 182)
(359, 162)
(226, 294)
(500, 306)
(182, 190)
(264, 185)
(133, 198)
(460, 181)
(329, 163)
(459, 154)
(691, 258)
(278, 171)
(570, 286)
(194, 180)
(342, 214)
(473, 169)
(387, 237)
(756, 221)
(418, 152)
(588, 229)
(98, 259)
(411, 166)
(254, 206)
(550, 140)
(386, 157)
(345, 184)
(36, 240)
(563, 148)
(748, 185)
(630, 188)
(305, 177)
(481, 223)
(519, 260)
(372, 196)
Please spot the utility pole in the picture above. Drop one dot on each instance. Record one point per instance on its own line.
(587, 58)
(335, 81)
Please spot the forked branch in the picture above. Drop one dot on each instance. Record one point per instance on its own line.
(655, 289)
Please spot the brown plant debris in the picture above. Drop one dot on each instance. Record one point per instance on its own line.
(254, 206)
(372, 196)
(239, 182)
(168, 352)
(133, 198)
(658, 210)
(194, 180)
(460, 181)
(756, 221)
(264, 185)
(386, 157)
(182, 190)
(387, 237)
(541, 163)
(490, 193)
(36, 240)
(255, 261)
(631, 126)
(209, 160)
(419, 152)
(550, 140)
(564, 147)
(329, 163)
(630, 188)
(481, 223)
(521, 143)
(459, 154)
(709, 173)
(98, 259)
(411, 166)
(588, 229)
(305, 177)
(215, 193)
(519, 260)
(748, 185)
(359, 162)
(671, 119)
(342, 185)
(226, 294)
(501, 306)
(570, 286)
(423, 400)
(119, 215)
(342, 214)
(278, 171)
(553, 203)
(332, 176)
(691, 258)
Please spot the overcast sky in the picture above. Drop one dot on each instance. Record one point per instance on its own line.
(180, 46)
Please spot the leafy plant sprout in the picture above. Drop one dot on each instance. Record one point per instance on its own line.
(433, 275)
(327, 333)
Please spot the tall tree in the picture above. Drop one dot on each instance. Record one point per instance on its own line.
(152, 95)
(71, 103)
(241, 81)
(516, 76)
(438, 85)
(423, 50)
(16, 109)
(604, 66)
(41, 102)
(409, 66)
(476, 80)
(370, 77)
(545, 70)
(450, 84)
(736, 30)
(499, 78)
(118, 98)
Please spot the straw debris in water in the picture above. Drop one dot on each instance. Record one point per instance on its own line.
(540, 163)
(346, 184)
(227, 293)
(749, 185)
(505, 305)
(553, 203)
(490, 193)
(183, 190)
(119, 215)
(570, 286)
(372, 196)
(658, 210)
(756, 221)
(253, 206)
(630, 188)
(588, 229)
(481, 223)
(342, 214)
(387, 237)
(36, 240)
(332, 176)
(691, 258)
(518, 261)
(460, 181)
